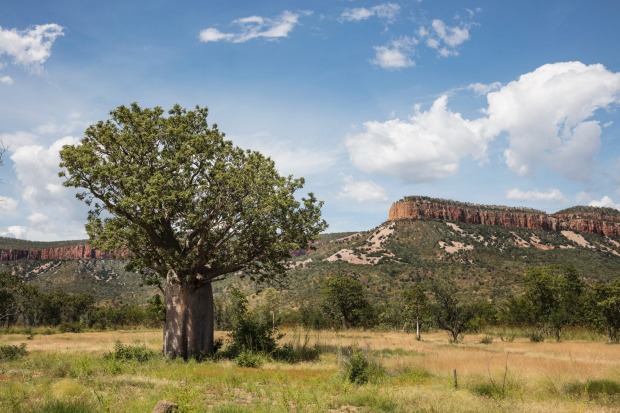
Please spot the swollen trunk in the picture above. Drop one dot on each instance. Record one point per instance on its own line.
(188, 331)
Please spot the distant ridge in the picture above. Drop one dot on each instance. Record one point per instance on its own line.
(603, 221)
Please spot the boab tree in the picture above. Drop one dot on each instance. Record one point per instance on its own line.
(190, 207)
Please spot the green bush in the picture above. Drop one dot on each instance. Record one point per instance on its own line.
(360, 368)
(486, 340)
(10, 352)
(537, 337)
(70, 327)
(248, 359)
(125, 352)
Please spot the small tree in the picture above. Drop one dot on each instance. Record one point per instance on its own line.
(415, 304)
(344, 300)
(608, 304)
(450, 313)
(554, 296)
(190, 208)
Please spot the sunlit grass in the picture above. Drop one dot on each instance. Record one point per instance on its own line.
(71, 370)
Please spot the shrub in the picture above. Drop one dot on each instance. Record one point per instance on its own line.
(60, 406)
(70, 328)
(125, 352)
(537, 337)
(360, 368)
(248, 359)
(486, 340)
(10, 352)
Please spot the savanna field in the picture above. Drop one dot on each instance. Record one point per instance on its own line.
(356, 371)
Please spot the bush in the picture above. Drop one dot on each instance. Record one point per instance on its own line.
(59, 406)
(124, 352)
(70, 328)
(486, 340)
(537, 337)
(248, 359)
(10, 352)
(360, 368)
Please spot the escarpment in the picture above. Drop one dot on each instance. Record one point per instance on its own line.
(578, 219)
(68, 252)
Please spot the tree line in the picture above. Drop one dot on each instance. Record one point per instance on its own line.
(553, 298)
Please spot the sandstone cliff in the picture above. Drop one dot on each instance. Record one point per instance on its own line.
(59, 253)
(431, 208)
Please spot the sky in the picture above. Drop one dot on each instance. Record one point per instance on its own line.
(493, 102)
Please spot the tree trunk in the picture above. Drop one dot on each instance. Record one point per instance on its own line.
(417, 328)
(188, 331)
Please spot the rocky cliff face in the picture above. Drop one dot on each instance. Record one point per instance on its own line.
(59, 253)
(422, 207)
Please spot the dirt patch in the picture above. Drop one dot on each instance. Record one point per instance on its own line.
(372, 250)
(455, 247)
(577, 239)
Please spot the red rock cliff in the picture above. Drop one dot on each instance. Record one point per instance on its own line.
(504, 217)
(68, 252)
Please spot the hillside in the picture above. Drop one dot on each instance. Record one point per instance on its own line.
(483, 249)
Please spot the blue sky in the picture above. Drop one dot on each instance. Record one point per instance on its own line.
(495, 102)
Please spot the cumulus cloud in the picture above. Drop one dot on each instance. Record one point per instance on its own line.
(546, 116)
(552, 195)
(605, 202)
(362, 191)
(426, 147)
(8, 206)
(50, 209)
(443, 38)
(254, 27)
(14, 231)
(6, 80)
(385, 11)
(29, 48)
(396, 55)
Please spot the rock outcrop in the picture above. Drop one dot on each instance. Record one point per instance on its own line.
(69, 252)
(439, 209)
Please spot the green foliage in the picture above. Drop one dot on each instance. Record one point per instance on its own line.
(450, 313)
(125, 352)
(344, 301)
(70, 327)
(360, 368)
(593, 388)
(182, 197)
(11, 352)
(416, 306)
(608, 305)
(553, 295)
(249, 332)
(247, 358)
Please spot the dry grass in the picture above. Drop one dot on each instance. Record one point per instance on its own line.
(496, 377)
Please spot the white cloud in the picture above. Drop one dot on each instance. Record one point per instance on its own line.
(289, 157)
(444, 39)
(397, 55)
(8, 206)
(6, 80)
(29, 48)
(484, 89)
(386, 11)
(14, 231)
(546, 115)
(552, 195)
(37, 218)
(605, 202)
(254, 27)
(362, 191)
(426, 147)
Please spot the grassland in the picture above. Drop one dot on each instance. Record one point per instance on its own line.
(70, 371)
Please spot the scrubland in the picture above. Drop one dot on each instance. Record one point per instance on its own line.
(70, 373)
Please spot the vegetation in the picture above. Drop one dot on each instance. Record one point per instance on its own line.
(344, 301)
(191, 209)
